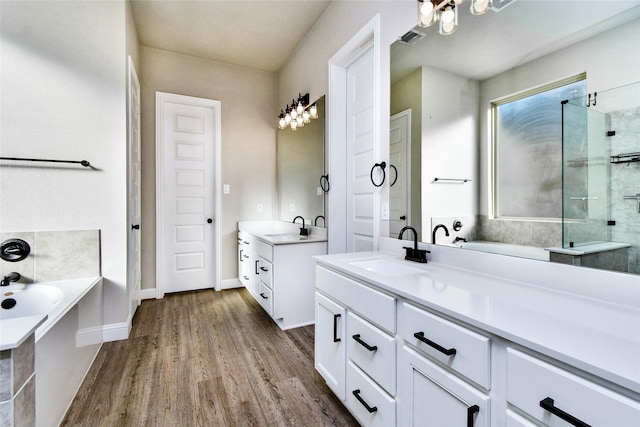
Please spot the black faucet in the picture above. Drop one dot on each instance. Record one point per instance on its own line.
(303, 231)
(11, 277)
(315, 221)
(435, 229)
(413, 254)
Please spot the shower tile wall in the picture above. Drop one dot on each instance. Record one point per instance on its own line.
(625, 181)
(529, 233)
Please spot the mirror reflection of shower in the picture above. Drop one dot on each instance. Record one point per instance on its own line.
(601, 179)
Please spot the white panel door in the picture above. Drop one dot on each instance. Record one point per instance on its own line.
(134, 190)
(400, 173)
(361, 196)
(188, 203)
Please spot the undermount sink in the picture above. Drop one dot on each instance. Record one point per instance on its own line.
(388, 267)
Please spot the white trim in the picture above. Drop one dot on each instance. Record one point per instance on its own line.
(367, 38)
(230, 284)
(409, 146)
(89, 336)
(216, 106)
(148, 293)
(116, 331)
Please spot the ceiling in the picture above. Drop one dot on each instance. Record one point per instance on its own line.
(257, 34)
(488, 44)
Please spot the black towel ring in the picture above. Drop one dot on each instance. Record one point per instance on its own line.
(381, 165)
(325, 179)
(396, 178)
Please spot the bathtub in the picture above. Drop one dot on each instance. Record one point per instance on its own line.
(531, 252)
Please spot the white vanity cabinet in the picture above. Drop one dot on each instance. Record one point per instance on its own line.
(246, 262)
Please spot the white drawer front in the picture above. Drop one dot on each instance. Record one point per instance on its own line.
(266, 273)
(263, 250)
(265, 298)
(515, 420)
(375, 306)
(530, 381)
(472, 350)
(374, 407)
(379, 359)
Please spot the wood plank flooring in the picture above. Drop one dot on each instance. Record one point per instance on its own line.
(207, 358)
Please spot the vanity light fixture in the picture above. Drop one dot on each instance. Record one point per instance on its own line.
(445, 12)
(298, 113)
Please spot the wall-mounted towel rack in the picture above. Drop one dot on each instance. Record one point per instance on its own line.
(84, 163)
(462, 180)
(626, 158)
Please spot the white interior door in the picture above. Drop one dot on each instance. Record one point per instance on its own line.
(134, 281)
(400, 173)
(187, 131)
(361, 194)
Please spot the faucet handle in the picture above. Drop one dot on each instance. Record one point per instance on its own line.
(416, 255)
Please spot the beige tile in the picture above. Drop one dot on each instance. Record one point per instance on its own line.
(67, 254)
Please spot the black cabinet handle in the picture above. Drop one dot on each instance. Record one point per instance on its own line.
(447, 351)
(471, 411)
(371, 410)
(364, 344)
(264, 269)
(547, 404)
(335, 327)
(384, 176)
(257, 263)
(263, 296)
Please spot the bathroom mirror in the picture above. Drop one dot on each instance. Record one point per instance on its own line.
(299, 166)
(442, 88)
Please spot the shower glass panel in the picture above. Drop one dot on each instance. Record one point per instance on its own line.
(601, 173)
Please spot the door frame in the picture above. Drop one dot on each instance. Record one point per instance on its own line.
(216, 106)
(406, 113)
(132, 79)
(367, 38)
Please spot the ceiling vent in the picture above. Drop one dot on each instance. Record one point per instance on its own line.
(411, 37)
(498, 5)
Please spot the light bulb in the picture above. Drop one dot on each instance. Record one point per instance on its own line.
(300, 121)
(447, 15)
(478, 7)
(294, 125)
(426, 7)
(314, 111)
(306, 116)
(287, 117)
(282, 123)
(300, 108)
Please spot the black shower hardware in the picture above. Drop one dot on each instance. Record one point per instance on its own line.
(413, 254)
(84, 163)
(459, 239)
(382, 166)
(11, 277)
(396, 178)
(315, 221)
(462, 180)
(435, 229)
(457, 225)
(14, 250)
(303, 231)
(324, 183)
(589, 104)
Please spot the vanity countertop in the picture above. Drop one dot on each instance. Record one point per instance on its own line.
(281, 232)
(600, 337)
(287, 238)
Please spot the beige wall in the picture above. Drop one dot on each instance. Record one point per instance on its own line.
(249, 123)
(64, 97)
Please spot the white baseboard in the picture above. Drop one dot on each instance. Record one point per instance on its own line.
(115, 332)
(89, 336)
(230, 284)
(148, 293)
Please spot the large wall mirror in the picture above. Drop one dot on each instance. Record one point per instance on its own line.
(299, 167)
(448, 120)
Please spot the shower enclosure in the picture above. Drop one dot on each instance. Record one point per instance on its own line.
(601, 180)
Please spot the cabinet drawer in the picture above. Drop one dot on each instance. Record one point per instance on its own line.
(375, 306)
(531, 381)
(263, 250)
(379, 359)
(457, 347)
(265, 298)
(266, 272)
(367, 402)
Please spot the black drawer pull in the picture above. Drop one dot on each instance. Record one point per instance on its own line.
(335, 327)
(263, 296)
(257, 264)
(364, 344)
(441, 349)
(264, 269)
(547, 404)
(471, 411)
(371, 410)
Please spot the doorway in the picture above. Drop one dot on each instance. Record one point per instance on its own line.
(187, 202)
(133, 256)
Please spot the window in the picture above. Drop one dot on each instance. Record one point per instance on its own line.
(527, 151)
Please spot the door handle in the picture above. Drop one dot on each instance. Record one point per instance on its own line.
(403, 217)
(135, 226)
(209, 220)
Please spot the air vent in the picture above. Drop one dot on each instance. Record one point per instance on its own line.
(498, 5)
(411, 37)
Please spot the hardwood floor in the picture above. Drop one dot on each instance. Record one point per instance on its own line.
(207, 358)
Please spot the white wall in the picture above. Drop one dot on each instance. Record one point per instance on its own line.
(63, 85)
(249, 112)
(610, 59)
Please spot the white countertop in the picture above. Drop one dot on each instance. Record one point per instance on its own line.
(282, 233)
(597, 336)
(14, 331)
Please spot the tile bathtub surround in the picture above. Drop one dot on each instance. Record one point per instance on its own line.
(17, 385)
(26, 267)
